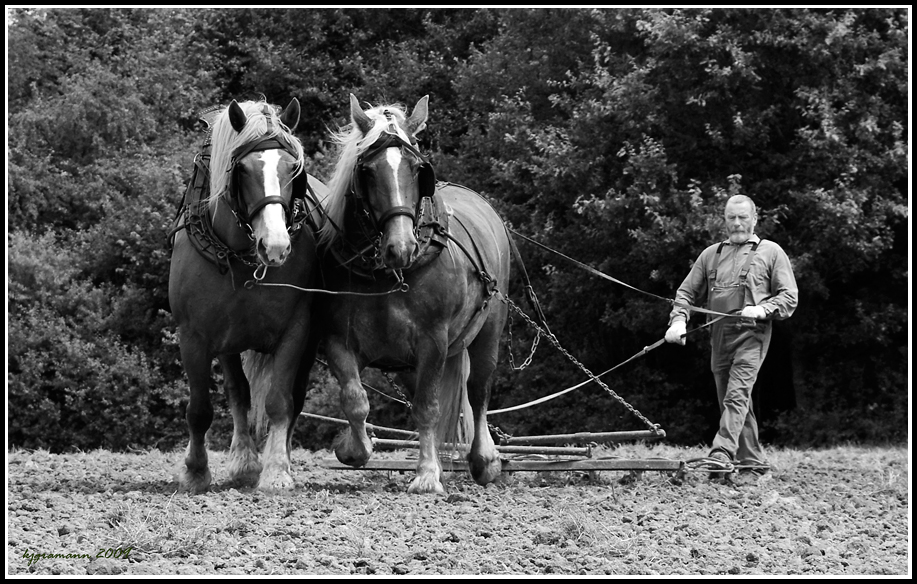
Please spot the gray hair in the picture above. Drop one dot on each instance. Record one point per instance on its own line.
(744, 199)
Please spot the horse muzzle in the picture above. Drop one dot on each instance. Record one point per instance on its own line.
(272, 240)
(399, 246)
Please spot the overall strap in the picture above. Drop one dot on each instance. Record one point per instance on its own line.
(745, 268)
(716, 257)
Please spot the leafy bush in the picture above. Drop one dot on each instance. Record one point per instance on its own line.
(71, 390)
(73, 383)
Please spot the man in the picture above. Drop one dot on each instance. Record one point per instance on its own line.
(750, 277)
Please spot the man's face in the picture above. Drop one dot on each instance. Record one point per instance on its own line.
(740, 221)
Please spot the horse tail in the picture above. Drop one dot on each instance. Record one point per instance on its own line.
(456, 422)
(259, 370)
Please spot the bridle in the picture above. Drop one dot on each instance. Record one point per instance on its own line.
(369, 223)
(197, 219)
(244, 213)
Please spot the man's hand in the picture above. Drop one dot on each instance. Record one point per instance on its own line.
(676, 332)
(755, 312)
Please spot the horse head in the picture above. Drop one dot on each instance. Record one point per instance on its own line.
(256, 168)
(391, 177)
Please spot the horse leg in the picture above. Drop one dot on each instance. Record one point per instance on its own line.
(244, 465)
(352, 447)
(280, 408)
(426, 411)
(301, 387)
(195, 476)
(298, 400)
(483, 459)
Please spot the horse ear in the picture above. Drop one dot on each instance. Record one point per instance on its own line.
(359, 116)
(290, 116)
(418, 120)
(236, 116)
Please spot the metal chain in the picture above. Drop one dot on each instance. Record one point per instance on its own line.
(509, 351)
(553, 340)
(503, 436)
(195, 228)
(397, 389)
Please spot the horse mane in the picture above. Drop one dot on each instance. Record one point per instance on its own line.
(224, 141)
(352, 144)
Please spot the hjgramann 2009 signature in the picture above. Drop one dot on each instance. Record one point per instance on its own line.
(116, 553)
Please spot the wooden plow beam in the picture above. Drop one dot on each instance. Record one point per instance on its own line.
(519, 454)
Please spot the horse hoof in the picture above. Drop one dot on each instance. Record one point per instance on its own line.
(247, 470)
(485, 471)
(194, 482)
(350, 460)
(279, 482)
(249, 479)
(351, 452)
(426, 486)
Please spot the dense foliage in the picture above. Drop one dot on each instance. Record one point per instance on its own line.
(614, 136)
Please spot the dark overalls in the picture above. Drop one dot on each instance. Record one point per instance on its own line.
(738, 350)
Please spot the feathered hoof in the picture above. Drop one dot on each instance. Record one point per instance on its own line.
(275, 481)
(352, 452)
(426, 485)
(194, 482)
(244, 468)
(244, 480)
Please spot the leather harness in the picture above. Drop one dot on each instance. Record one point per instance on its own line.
(194, 216)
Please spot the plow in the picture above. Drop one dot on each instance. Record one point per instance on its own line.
(558, 452)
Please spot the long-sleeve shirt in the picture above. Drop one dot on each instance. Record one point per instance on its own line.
(770, 282)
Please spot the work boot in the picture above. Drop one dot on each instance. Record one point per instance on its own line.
(721, 466)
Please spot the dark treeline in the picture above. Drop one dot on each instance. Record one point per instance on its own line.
(614, 136)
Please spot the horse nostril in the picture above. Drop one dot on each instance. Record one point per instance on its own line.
(400, 255)
(271, 257)
(390, 254)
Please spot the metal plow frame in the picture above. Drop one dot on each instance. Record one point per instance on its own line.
(521, 453)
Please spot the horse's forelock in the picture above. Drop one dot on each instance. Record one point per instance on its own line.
(382, 120)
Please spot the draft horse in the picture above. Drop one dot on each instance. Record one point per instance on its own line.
(419, 264)
(244, 223)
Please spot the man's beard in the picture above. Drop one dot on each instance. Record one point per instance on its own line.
(739, 237)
